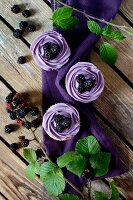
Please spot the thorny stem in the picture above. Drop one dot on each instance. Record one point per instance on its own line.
(122, 28)
(54, 5)
(46, 157)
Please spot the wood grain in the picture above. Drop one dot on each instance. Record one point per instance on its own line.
(42, 15)
(13, 183)
(127, 9)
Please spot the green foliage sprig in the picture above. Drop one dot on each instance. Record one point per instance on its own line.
(64, 19)
(87, 156)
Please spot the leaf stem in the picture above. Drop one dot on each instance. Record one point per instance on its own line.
(47, 157)
(122, 28)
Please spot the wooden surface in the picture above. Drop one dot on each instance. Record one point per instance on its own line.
(114, 108)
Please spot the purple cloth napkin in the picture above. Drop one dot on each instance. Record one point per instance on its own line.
(81, 41)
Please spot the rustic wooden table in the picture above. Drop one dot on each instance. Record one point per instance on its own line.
(114, 109)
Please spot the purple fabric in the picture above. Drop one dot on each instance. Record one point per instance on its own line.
(81, 42)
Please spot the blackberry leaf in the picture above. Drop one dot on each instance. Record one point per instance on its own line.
(88, 145)
(108, 53)
(69, 197)
(100, 196)
(94, 27)
(62, 13)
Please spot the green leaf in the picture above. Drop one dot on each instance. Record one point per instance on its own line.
(108, 53)
(69, 197)
(100, 196)
(30, 172)
(115, 193)
(62, 13)
(106, 30)
(66, 24)
(30, 155)
(94, 27)
(78, 165)
(88, 145)
(116, 35)
(66, 158)
(54, 182)
(46, 168)
(100, 162)
(37, 167)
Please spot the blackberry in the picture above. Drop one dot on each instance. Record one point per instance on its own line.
(59, 129)
(81, 89)
(16, 102)
(27, 125)
(26, 13)
(55, 48)
(23, 25)
(17, 33)
(21, 60)
(51, 50)
(21, 113)
(25, 143)
(39, 153)
(31, 28)
(58, 119)
(13, 115)
(10, 97)
(8, 128)
(47, 46)
(15, 9)
(35, 123)
(80, 78)
(89, 83)
(8, 110)
(34, 111)
(14, 146)
(66, 122)
(49, 55)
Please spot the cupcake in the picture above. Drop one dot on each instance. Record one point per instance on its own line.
(50, 51)
(84, 82)
(61, 121)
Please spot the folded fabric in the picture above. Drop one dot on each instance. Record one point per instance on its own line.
(80, 41)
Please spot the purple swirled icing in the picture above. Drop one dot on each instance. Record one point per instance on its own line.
(49, 121)
(89, 71)
(38, 51)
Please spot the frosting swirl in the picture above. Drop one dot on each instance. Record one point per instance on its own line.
(38, 51)
(67, 111)
(89, 71)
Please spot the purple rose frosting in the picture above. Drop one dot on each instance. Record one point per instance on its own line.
(37, 48)
(88, 70)
(66, 110)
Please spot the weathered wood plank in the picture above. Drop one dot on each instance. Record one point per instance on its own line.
(13, 183)
(124, 182)
(124, 48)
(42, 16)
(41, 12)
(127, 9)
(116, 101)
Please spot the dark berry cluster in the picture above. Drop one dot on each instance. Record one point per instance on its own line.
(85, 84)
(23, 25)
(23, 142)
(19, 109)
(51, 50)
(62, 123)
